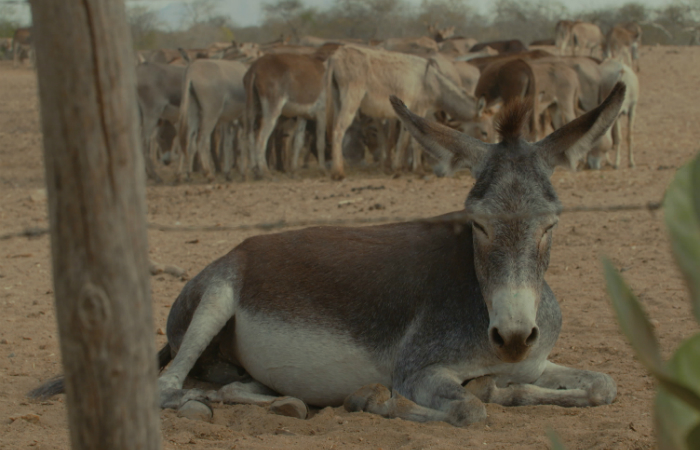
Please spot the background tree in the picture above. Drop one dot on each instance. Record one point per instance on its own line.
(143, 25)
(675, 24)
(290, 16)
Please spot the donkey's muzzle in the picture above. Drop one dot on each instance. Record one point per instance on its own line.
(513, 346)
(513, 327)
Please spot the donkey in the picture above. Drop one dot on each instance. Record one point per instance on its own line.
(423, 320)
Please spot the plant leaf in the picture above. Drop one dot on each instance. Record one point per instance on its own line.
(633, 320)
(677, 415)
(639, 332)
(684, 368)
(673, 420)
(682, 213)
(695, 183)
(679, 389)
(692, 440)
(554, 438)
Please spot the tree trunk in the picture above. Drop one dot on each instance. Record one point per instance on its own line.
(95, 183)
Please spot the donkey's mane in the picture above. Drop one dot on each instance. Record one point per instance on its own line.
(511, 119)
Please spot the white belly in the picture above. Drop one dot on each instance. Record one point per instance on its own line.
(314, 365)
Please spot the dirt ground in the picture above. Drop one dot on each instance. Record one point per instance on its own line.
(666, 136)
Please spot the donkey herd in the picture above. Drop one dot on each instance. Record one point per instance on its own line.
(254, 107)
(425, 320)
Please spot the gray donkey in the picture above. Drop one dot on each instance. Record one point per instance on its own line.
(424, 320)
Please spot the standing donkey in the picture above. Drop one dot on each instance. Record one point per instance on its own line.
(424, 320)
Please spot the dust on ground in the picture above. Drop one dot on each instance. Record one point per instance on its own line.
(666, 136)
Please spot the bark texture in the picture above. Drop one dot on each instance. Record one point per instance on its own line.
(95, 184)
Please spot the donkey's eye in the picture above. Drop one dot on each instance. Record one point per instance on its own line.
(549, 228)
(480, 227)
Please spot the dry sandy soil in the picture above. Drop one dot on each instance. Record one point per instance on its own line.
(667, 134)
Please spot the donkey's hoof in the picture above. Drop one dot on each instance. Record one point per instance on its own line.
(463, 413)
(482, 388)
(603, 390)
(262, 174)
(366, 397)
(337, 175)
(195, 410)
(171, 398)
(290, 407)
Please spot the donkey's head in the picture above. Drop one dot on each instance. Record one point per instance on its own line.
(513, 207)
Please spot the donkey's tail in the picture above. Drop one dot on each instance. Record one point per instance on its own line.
(54, 386)
(57, 384)
(330, 101)
(185, 119)
(250, 118)
(251, 106)
(164, 356)
(534, 117)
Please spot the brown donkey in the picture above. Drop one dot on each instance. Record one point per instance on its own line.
(422, 320)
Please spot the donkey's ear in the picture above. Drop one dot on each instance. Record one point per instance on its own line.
(480, 106)
(452, 149)
(567, 145)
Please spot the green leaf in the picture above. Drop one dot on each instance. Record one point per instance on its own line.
(692, 440)
(674, 420)
(684, 368)
(679, 389)
(695, 182)
(639, 332)
(554, 438)
(682, 213)
(678, 412)
(633, 320)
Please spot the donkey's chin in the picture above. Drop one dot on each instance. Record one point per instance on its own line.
(512, 353)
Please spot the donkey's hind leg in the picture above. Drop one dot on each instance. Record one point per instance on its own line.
(255, 393)
(631, 113)
(238, 388)
(434, 394)
(558, 385)
(216, 307)
(616, 138)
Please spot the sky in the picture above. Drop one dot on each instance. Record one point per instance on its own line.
(249, 12)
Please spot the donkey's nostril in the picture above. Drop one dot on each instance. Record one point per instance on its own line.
(496, 337)
(533, 337)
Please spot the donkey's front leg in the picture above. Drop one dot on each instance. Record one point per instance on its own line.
(600, 388)
(558, 385)
(434, 394)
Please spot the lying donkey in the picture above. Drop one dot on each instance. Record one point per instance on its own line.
(422, 320)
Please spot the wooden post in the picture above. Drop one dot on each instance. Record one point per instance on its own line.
(95, 182)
